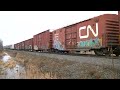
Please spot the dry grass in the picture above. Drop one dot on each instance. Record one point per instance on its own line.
(13, 54)
(1, 54)
(39, 67)
(10, 64)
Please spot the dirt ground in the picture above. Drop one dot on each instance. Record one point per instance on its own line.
(41, 67)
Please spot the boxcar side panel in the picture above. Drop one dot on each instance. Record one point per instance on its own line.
(112, 30)
(35, 40)
(71, 36)
(43, 40)
(119, 25)
(59, 39)
(90, 33)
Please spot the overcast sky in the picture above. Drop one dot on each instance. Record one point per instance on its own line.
(16, 26)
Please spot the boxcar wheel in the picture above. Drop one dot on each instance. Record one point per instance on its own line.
(98, 52)
(117, 54)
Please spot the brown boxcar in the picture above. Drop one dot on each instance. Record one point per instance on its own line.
(98, 34)
(43, 41)
(16, 46)
(119, 23)
(20, 45)
(59, 39)
(29, 44)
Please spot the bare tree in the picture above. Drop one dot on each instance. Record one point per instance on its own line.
(1, 45)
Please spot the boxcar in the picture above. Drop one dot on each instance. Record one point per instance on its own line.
(59, 43)
(16, 46)
(99, 34)
(29, 44)
(22, 44)
(43, 41)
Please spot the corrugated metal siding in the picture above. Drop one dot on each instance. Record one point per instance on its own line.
(112, 30)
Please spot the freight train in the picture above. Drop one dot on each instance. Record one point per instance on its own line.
(99, 34)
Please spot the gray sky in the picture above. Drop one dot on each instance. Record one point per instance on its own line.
(16, 26)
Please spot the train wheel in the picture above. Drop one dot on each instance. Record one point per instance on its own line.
(117, 51)
(117, 54)
(98, 52)
(108, 54)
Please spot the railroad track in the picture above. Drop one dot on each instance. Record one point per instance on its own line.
(84, 55)
(76, 54)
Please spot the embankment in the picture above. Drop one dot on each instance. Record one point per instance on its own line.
(41, 67)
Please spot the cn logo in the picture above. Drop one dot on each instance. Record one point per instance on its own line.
(89, 28)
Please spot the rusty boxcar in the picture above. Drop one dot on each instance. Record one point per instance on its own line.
(21, 45)
(29, 44)
(43, 41)
(99, 34)
(16, 46)
(59, 39)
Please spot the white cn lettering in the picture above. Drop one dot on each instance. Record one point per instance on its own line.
(89, 28)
